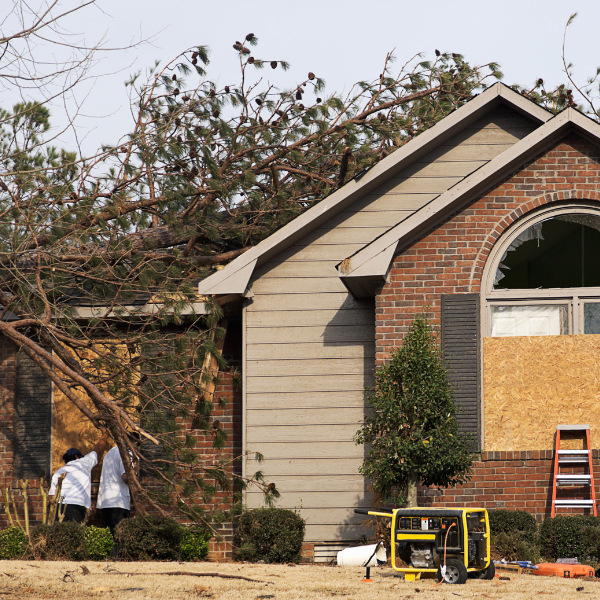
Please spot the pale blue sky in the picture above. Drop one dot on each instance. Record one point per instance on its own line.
(341, 41)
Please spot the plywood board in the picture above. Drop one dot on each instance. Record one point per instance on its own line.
(533, 384)
(70, 428)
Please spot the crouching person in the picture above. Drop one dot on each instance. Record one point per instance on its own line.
(113, 494)
(76, 490)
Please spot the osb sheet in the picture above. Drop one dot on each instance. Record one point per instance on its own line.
(533, 384)
(71, 429)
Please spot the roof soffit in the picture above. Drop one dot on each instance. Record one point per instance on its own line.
(376, 257)
(234, 278)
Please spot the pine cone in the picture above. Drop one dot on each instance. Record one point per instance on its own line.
(185, 98)
(194, 61)
(437, 52)
(271, 486)
(298, 95)
(215, 113)
(249, 37)
(258, 101)
(212, 92)
(273, 64)
(319, 100)
(251, 60)
(194, 55)
(174, 78)
(227, 89)
(177, 122)
(176, 92)
(311, 75)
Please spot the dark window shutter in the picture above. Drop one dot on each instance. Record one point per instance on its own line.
(461, 343)
(33, 426)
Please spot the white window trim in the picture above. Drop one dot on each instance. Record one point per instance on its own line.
(571, 296)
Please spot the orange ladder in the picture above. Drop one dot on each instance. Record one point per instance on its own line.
(569, 458)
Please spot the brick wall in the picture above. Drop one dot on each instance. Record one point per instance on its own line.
(229, 416)
(450, 259)
(511, 480)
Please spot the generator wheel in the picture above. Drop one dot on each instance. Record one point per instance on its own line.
(487, 573)
(456, 572)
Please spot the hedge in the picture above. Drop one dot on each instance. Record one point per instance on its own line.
(570, 537)
(274, 535)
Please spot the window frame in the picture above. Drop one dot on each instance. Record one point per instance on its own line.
(575, 298)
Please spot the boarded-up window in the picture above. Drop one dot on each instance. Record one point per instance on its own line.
(33, 427)
(460, 348)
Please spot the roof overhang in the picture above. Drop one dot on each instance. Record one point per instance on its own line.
(367, 269)
(235, 277)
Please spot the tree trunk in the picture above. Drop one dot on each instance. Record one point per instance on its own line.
(411, 490)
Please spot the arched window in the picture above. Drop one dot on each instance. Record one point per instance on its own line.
(543, 276)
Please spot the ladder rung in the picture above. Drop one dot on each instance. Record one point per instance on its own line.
(573, 452)
(572, 503)
(573, 476)
(572, 461)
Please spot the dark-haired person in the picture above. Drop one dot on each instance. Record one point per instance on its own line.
(113, 493)
(76, 491)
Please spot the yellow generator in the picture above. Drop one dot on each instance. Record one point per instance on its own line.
(452, 544)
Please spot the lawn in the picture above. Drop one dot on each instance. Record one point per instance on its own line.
(66, 580)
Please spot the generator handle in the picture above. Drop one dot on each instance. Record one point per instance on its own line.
(374, 513)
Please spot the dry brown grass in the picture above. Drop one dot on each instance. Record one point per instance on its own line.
(24, 580)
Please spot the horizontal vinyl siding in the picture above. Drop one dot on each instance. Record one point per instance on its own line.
(310, 344)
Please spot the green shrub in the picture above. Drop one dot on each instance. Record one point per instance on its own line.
(99, 542)
(194, 543)
(61, 541)
(569, 537)
(13, 543)
(274, 535)
(513, 522)
(511, 546)
(149, 538)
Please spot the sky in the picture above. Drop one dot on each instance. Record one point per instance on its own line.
(341, 41)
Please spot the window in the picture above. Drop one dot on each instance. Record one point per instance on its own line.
(535, 319)
(543, 278)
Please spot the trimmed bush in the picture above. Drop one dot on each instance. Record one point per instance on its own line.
(194, 543)
(149, 538)
(13, 543)
(513, 522)
(511, 546)
(274, 535)
(61, 541)
(99, 542)
(570, 537)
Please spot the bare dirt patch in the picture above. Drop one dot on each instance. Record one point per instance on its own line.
(141, 581)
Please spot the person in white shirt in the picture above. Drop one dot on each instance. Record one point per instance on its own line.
(76, 490)
(113, 494)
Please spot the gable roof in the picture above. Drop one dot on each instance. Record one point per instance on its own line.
(234, 278)
(368, 267)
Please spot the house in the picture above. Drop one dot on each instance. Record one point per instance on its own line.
(490, 221)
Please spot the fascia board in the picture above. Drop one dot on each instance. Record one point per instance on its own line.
(356, 188)
(234, 282)
(371, 256)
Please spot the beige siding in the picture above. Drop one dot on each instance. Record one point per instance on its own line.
(310, 344)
